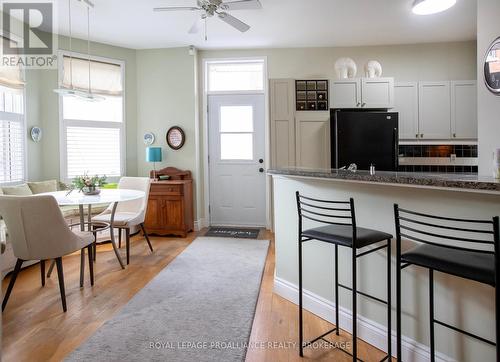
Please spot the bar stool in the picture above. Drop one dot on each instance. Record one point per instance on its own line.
(456, 257)
(341, 230)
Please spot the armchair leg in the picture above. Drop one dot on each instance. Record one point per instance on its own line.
(127, 241)
(120, 239)
(60, 276)
(91, 262)
(13, 278)
(146, 236)
(42, 271)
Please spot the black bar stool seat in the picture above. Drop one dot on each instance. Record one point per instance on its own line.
(342, 235)
(465, 264)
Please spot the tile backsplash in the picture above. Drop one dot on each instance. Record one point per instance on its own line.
(438, 158)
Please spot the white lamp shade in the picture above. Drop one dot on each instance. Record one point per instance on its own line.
(427, 7)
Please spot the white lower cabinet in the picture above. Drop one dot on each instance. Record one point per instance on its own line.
(312, 139)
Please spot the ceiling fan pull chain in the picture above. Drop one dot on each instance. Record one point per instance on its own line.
(206, 36)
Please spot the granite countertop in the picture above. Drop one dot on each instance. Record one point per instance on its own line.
(470, 182)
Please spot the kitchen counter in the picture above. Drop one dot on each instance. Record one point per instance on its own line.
(463, 182)
(462, 303)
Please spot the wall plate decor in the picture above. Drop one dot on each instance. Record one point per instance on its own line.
(311, 95)
(36, 134)
(492, 67)
(149, 138)
(175, 138)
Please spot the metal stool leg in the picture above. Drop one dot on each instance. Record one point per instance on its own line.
(301, 336)
(389, 305)
(354, 308)
(497, 320)
(337, 306)
(431, 311)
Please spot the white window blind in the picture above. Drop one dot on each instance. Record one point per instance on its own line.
(93, 132)
(12, 155)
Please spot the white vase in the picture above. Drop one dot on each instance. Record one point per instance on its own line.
(496, 163)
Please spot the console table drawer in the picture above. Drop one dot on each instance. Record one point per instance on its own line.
(167, 189)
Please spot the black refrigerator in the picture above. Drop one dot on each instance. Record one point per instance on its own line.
(364, 138)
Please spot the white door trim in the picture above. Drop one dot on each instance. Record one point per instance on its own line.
(206, 173)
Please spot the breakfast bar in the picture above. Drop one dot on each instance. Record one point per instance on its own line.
(462, 303)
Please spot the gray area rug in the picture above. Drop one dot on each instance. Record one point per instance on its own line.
(199, 308)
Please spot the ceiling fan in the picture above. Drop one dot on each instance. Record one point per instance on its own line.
(219, 8)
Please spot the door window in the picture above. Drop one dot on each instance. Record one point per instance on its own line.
(236, 133)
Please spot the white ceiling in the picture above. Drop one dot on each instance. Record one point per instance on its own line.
(280, 23)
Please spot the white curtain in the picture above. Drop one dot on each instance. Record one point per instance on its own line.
(11, 76)
(105, 78)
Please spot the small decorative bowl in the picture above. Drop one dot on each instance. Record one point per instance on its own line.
(90, 191)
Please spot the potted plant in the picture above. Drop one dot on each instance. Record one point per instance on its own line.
(89, 185)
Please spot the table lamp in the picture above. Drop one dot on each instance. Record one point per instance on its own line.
(153, 154)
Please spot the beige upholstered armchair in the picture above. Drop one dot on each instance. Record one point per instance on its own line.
(129, 213)
(38, 231)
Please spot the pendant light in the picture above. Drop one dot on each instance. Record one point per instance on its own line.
(71, 91)
(63, 90)
(428, 7)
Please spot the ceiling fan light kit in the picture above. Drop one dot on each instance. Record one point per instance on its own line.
(428, 7)
(218, 8)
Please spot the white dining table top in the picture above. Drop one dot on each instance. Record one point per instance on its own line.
(107, 196)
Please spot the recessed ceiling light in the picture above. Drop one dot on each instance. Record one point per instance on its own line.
(427, 7)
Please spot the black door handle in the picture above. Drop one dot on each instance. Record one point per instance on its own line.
(261, 160)
(261, 170)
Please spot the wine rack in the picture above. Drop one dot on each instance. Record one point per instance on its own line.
(311, 95)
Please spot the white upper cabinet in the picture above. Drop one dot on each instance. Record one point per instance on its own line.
(368, 93)
(346, 93)
(434, 110)
(406, 104)
(377, 92)
(464, 109)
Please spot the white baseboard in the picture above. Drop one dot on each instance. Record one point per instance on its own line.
(200, 224)
(368, 330)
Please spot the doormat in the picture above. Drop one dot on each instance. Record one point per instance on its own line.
(246, 233)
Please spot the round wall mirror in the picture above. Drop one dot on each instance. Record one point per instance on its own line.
(492, 67)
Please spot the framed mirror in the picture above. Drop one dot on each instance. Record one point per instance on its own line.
(175, 138)
(492, 67)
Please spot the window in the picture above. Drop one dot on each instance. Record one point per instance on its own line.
(12, 125)
(236, 133)
(245, 75)
(93, 132)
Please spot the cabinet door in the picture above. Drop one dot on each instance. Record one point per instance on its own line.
(377, 93)
(153, 213)
(346, 93)
(313, 139)
(173, 212)
(282, 104)
(464, 109)
(406, 104)
(434, 110)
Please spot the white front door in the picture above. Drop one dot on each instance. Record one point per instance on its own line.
(236, 160)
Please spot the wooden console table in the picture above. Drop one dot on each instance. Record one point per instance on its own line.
(170, 205)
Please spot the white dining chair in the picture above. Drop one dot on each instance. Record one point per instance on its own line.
(37, 231)
(129, 213)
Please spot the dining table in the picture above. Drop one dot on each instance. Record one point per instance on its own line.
(105, 197)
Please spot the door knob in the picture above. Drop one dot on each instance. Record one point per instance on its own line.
(261, 170)
(261, 160)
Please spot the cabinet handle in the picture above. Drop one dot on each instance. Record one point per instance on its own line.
(364, 104)
(454, 135)
(416, 136)
(421, 135)
(357, 105)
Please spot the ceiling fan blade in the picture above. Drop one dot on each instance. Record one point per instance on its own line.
(235, 23)
(242, 4)
(195, 28)
(176, 8)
